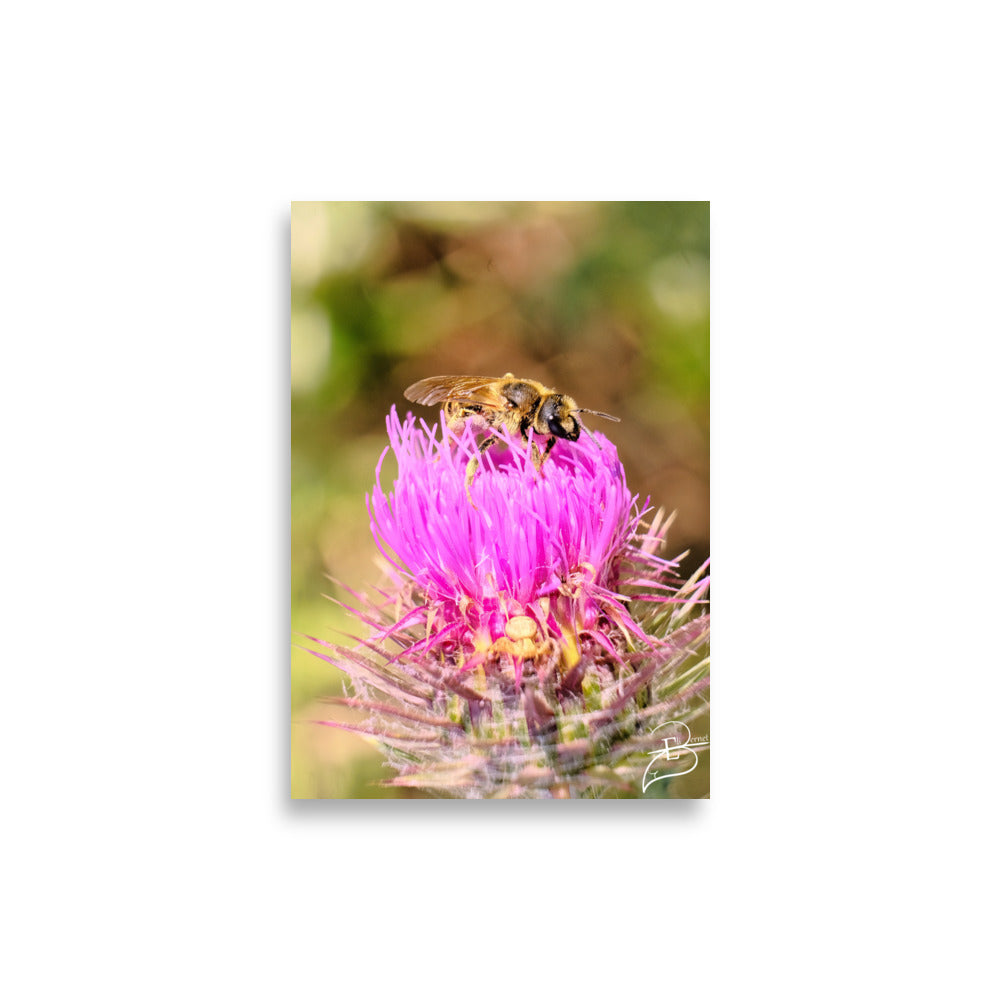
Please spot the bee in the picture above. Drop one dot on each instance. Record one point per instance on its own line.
(517, 404)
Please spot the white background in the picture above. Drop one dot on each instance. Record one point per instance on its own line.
(150, 155)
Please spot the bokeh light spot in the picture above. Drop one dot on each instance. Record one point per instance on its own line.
(329, 236)
(311, 337)
(680, 286)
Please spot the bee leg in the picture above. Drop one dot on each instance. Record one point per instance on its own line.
(470, 474)
(539, 457)
(470, 469)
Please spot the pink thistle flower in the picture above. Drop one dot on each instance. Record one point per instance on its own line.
(531, 641)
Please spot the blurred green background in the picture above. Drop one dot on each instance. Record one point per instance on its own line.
(606, 301)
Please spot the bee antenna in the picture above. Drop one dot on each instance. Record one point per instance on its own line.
(587, 432)
(597, 413)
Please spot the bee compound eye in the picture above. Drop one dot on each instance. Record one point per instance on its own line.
(549, 414)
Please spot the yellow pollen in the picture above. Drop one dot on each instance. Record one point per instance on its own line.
(521, 627)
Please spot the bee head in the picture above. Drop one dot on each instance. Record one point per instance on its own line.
(555, 417)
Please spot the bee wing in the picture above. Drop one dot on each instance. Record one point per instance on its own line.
(479, 390)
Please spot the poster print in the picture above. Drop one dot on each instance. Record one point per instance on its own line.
(500, 534)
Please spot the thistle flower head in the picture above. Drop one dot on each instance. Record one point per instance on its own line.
(530, 638)
(548, 546)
